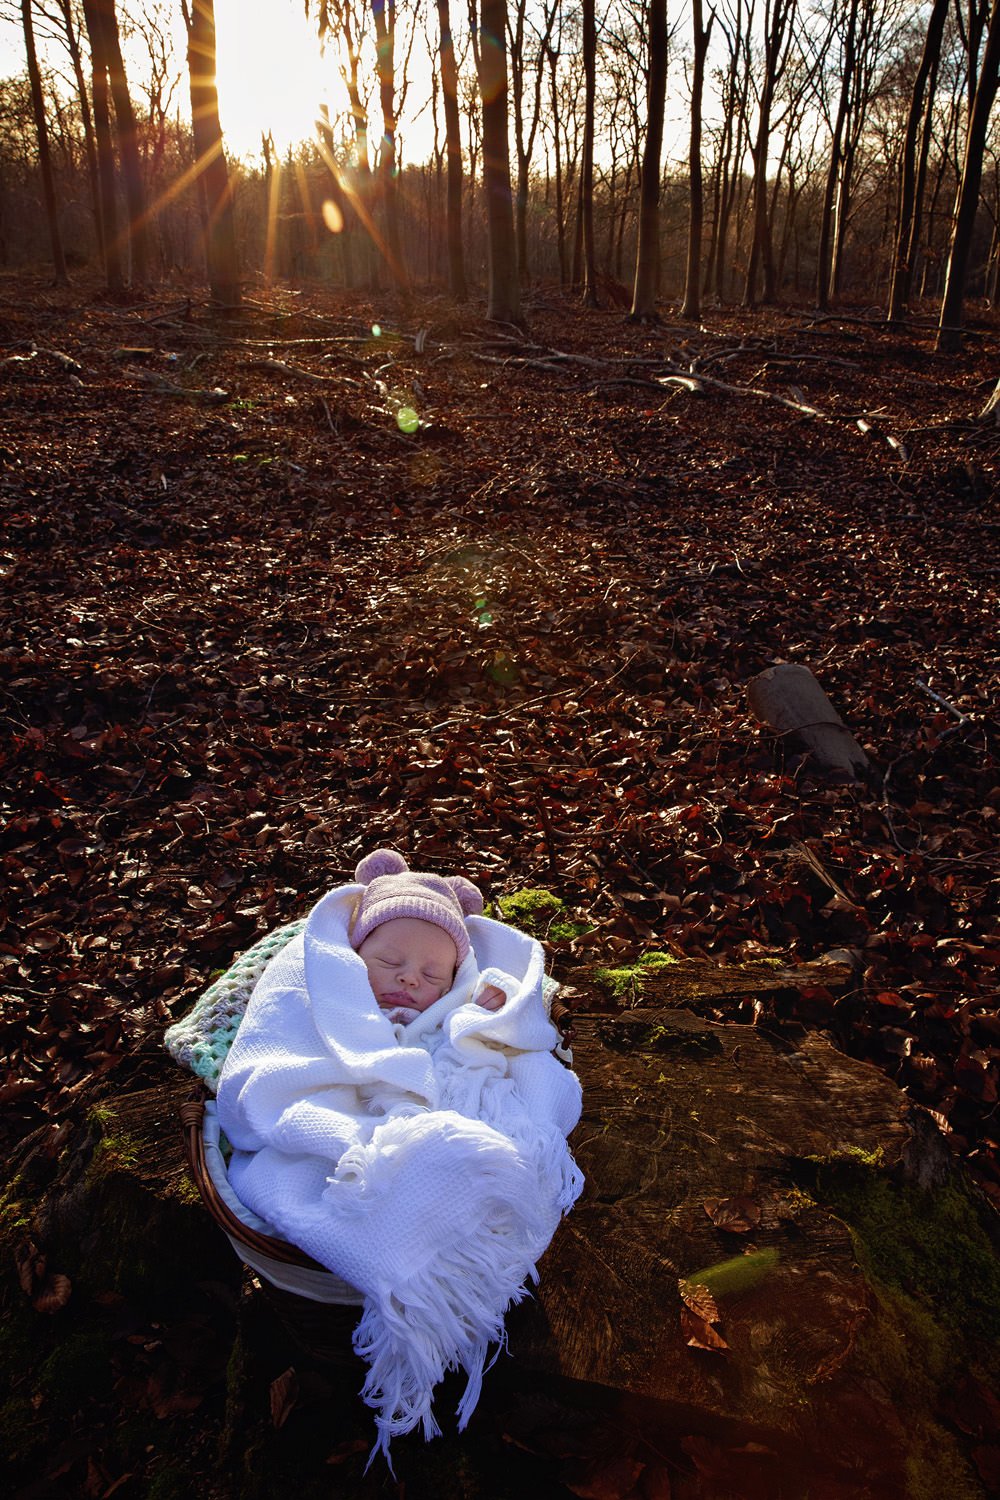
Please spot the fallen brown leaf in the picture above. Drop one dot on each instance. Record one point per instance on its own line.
(736, 1215)
(284, 1395)
(54, 1294)
(698, 1333)
(699, 1299)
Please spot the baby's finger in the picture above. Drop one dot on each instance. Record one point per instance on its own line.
(491, 998)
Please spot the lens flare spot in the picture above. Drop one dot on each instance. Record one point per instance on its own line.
(503, 671)
(407, 419)
(376, 330)
(425, 468)
(332, 216)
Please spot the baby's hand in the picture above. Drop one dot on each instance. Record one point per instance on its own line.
(491, 998)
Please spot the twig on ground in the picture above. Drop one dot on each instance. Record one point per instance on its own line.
(957, 712)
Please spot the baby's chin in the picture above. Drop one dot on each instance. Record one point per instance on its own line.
(391, 1001)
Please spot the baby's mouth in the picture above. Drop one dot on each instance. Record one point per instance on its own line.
(395, 997)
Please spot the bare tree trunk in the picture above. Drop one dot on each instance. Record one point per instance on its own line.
(842, 218)
(362, 175)
(647, 260)
(553, 56)
(385, 36)
(587, 165)
(128, 146)
(911, 183)
(692, 287)
(777, 18)
(833, 171)
(453, 136)
(210, 158)
(44, 155)
(337, 193)
(949, 339)
(113, 273)
(504, 304)
(731, 144)
(73, 43)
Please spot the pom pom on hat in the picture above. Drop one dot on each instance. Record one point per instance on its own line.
(380, 862)
(394, 890)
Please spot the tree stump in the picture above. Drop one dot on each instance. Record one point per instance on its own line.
(788, 698)
(830, 1363)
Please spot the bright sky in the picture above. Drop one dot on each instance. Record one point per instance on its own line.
(270, 73)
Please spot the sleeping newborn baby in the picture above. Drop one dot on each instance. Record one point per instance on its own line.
(422, 1160)
(409, 930)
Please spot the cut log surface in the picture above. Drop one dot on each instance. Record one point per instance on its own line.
(690, 1126)
(788, 698)
(698, 1142)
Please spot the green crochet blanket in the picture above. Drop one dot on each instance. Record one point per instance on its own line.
(201, 1040)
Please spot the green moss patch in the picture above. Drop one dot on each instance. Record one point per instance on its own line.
(929, 1245)
(738, 1274)
(540, 913)
(935, 1276)
(76, 1371)
(531, 910)
(625, 982)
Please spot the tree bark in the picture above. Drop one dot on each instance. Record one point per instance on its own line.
(553, 59)
(340, 198)
(691, 307)
(908, 215)
(384, 14)
(587, 164)
(360, 179)
(210, 157)
(777, 19)
(44, 155)
(504, 301)
(128, 146)
(86, 118)
(949, 339)
(647, 260)
(833, 170)
(113, 272)
(453, 137)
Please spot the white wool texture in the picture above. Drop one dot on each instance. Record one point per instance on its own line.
(426, 1165)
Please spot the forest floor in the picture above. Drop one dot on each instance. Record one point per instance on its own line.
(336, 573)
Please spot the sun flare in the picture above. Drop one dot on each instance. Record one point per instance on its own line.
(271, 76)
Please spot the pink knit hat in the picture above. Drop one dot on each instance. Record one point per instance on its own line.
(394, 890)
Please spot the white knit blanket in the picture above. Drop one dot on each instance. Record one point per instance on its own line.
(427, 1166)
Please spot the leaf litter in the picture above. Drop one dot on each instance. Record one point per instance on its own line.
(516, 643)
(245, 642)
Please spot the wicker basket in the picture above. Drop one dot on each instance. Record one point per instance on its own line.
(278, 1262)
(200, 1042)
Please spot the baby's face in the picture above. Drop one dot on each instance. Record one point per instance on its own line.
(409, 962)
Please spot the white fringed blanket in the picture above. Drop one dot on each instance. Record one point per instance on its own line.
(431, 1180)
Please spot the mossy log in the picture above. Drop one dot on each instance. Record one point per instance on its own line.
(738, 1160)
(831, 1361)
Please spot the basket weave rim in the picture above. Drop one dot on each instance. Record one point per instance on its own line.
(192, 1114)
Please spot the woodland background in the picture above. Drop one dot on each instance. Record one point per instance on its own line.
(819, 148)
(391, 535)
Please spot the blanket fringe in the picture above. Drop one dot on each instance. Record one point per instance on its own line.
(444, 1314)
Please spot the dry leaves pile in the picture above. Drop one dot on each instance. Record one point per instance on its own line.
(245, 642)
